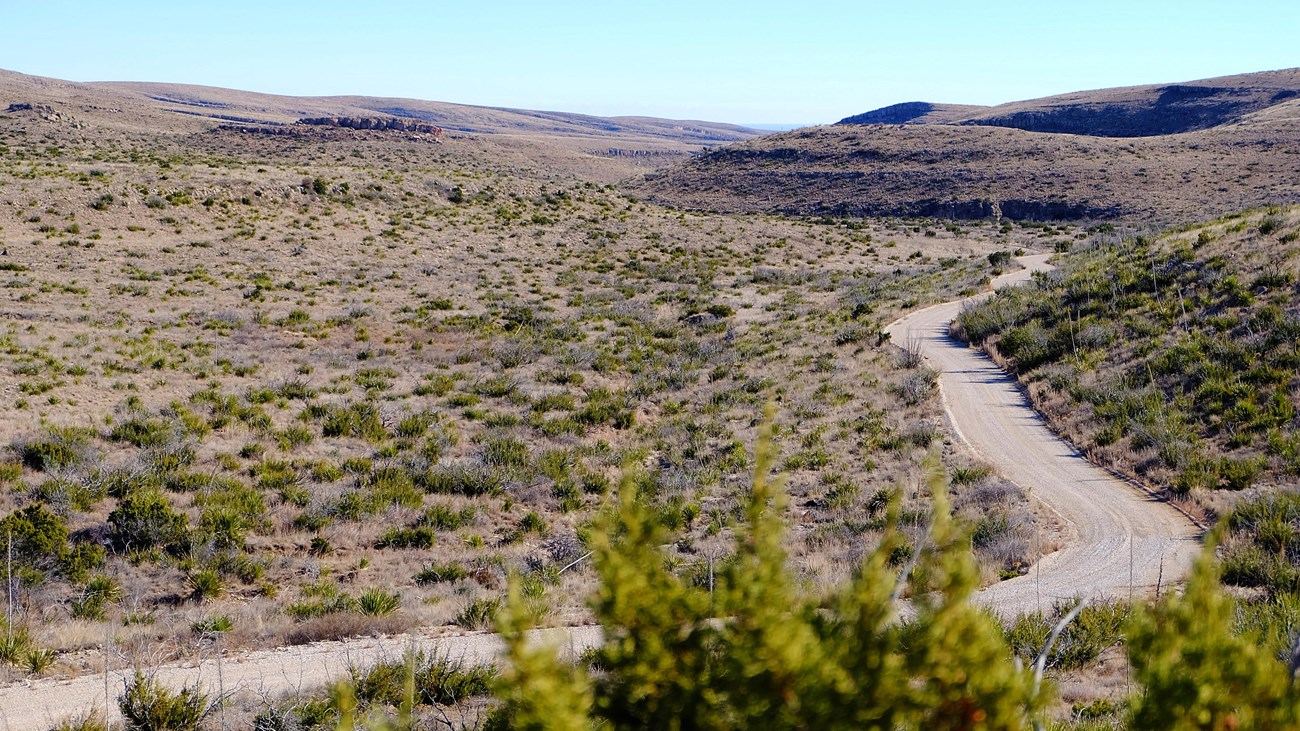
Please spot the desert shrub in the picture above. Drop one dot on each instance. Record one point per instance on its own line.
(436, 573)
(148, 706)
(374, 380)
(1197, 673)
(480, 613)
(418, 537)
(61, 447)
(1095, 628)
(228, 515)
(358, 419)
(294, 437)
(532, 523)
(39, 536)
(320, 598)
(205, 584)
(1271, 224)
(496, 387)
(506, 452)
(168, 459)
(970, 475)
(470, 481)
(144, 520)
(442, 517)
(441, 680)
(79, 560)
(15, 643)
(434, 680)
(142, 432)
(212, 624)
(388, 486)
(91, 721)
(605, 407)
(39, 659)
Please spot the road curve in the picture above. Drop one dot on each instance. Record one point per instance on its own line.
(1117, 538)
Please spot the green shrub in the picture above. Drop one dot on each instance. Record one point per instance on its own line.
(147, 706)
(436, 573)
(480, 613)
(418, 537)
(62, 447)
(442, 517)
(1094, 629)
(359, 419)
(15, 643)
(145, 520)
(92, 721)
(1196, 673)
(39, 659)
(506, 452)
(142, 432)
(39, 536)
(833, 662)
(463, 480)
(211, 625)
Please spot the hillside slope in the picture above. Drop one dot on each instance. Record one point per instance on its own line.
(1174, 359)
(948, 161)
(1134, 111)
(554, 144)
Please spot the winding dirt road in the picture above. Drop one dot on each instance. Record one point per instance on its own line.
(1118, 539)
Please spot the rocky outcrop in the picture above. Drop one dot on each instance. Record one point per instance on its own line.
(44, 111)
(379, 124)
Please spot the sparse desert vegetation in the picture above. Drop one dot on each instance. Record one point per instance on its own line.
(312, 391)
(269, 384)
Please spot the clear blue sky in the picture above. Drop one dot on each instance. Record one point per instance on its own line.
(758, 62)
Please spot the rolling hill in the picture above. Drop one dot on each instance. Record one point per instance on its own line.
(560, 144)
(1151, 153)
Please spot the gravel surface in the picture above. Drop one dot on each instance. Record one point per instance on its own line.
(40, 704)
(1118, 540)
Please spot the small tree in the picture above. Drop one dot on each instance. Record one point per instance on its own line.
(1197, 674)
(756, 653)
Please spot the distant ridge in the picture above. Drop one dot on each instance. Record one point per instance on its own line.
(1134, 111)
(1162, 152)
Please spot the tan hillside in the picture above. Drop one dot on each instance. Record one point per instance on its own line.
(955, 162)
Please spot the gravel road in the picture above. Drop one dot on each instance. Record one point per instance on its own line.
(41, 704)
(1117, 539)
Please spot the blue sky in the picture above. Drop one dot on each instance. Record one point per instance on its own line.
(757, 62)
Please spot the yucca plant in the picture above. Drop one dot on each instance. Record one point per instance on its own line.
(379, 603)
